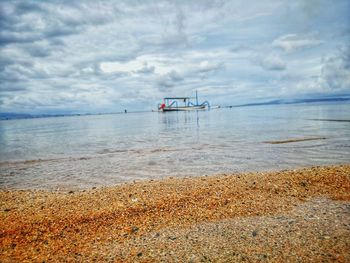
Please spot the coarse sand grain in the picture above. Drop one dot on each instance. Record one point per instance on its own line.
(287, 216)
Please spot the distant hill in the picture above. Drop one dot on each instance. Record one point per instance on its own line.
(292, 101)
(13, 115)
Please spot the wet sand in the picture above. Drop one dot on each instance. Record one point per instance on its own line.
(296, 140)
(298, 215)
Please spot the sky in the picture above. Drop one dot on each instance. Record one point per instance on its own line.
(60, 56)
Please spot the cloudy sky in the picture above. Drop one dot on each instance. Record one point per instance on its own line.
(102, 56)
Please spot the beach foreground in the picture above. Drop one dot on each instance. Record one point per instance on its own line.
(298, 215)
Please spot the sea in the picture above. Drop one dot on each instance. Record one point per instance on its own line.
(83, 152)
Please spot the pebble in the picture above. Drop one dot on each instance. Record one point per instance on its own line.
(134, 229)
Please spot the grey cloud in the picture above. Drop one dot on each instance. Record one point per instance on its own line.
(56, 42)
(172, 26)
(23, 22)
(61, 31)
(332, 79)
(8, 75)
(88, 70)
(23, 72)
(26, 7)
(12, 69)
(336, 70)
(240, 48)
(7, 19)
(12, 87)
(13, 28)
(14, 37)
(146, 69)
(169, 80)
(174, 76)
(273, 62)
(168, 40)
(180, 23)
(5, 61)
(38, 50)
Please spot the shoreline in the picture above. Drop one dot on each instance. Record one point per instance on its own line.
(78, 188)
(248, 216)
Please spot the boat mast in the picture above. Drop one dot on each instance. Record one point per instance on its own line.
(196, 97)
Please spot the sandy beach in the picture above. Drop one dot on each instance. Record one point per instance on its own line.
(287, 216)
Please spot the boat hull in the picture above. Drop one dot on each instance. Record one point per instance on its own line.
(189, 108)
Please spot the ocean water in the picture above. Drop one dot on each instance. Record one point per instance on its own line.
(89, 151)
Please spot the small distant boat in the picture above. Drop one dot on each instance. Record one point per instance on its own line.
(182, 104)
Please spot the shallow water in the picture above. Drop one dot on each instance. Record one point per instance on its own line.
(87, 151)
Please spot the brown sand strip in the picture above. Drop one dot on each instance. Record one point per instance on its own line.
(296, 140)
(299, 214)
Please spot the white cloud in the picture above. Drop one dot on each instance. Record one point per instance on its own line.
(206, 66)
(116, 67)
(293, 42)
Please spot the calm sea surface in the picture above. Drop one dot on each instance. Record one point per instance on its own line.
(86, 151)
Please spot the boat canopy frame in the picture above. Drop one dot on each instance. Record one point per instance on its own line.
(173, 102)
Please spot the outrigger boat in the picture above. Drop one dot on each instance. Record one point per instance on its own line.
(172, 104)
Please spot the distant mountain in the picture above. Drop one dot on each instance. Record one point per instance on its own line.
(317, 100)
(11, 115)
(291, 101)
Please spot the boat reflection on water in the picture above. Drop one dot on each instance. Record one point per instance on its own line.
(180, 119)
